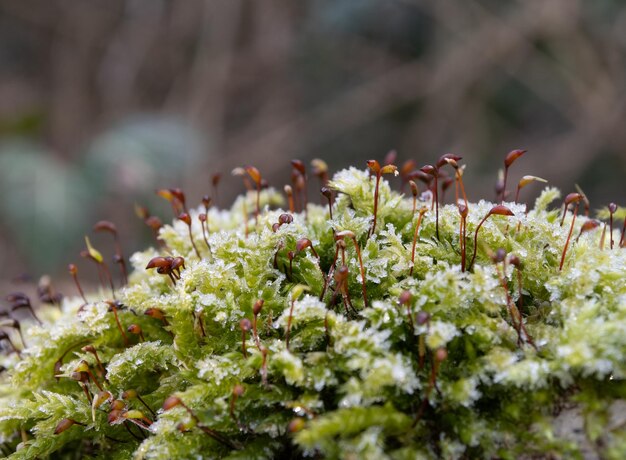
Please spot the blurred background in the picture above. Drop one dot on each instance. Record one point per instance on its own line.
(102, 101)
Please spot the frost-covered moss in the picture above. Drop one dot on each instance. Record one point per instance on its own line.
(449, 372)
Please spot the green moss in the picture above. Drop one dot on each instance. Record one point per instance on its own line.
(355, 382)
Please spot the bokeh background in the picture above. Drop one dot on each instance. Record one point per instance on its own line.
(102, 101)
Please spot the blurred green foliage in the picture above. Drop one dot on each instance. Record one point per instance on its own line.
(48, 205)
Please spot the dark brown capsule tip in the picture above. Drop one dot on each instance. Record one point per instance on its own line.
(239, 390)
(114, 416)
(299, 166)
(444, 159)
(258, 306)
(185, 218)
(134, 329)
(514, 260)
(420, 175)
(405, 297)
(63, 425)
(422, 318)
(285, 219)
(105, 226)
(171, 402)
(297, 424)
(254, 174)
(215, 179)
(589, 225)
(245, 324)
(512, 156)
(374, 166)
(155, 313)
(178, 194)
(157, 262)
(429, 169)
(572, 198)
(177, 262)
(302, 244)
(499, 256)
(501, 210)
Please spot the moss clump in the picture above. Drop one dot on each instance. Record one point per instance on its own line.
(440, 363)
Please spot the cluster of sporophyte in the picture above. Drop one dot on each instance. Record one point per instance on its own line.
(374, 325)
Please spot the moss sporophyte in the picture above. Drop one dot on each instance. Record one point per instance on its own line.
(353, 328)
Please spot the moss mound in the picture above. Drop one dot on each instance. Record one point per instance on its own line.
(268, 345)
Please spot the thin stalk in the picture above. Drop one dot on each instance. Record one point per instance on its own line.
(417, 228)
(569, 235)
(193, 243)
(414, 192)
(499, 210)
(375, 204)
(602, 237)
(204, 222)
(358, 253)
(462, 235)
(612, 209)
(436, 201)
(245, 326)
(330, 273)
(258, 204)
(293, 301)
(289, 193)
(119, 325)
(476, 239)
(146, 405)
(459, 176)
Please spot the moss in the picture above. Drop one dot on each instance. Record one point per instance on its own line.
(449, 373)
